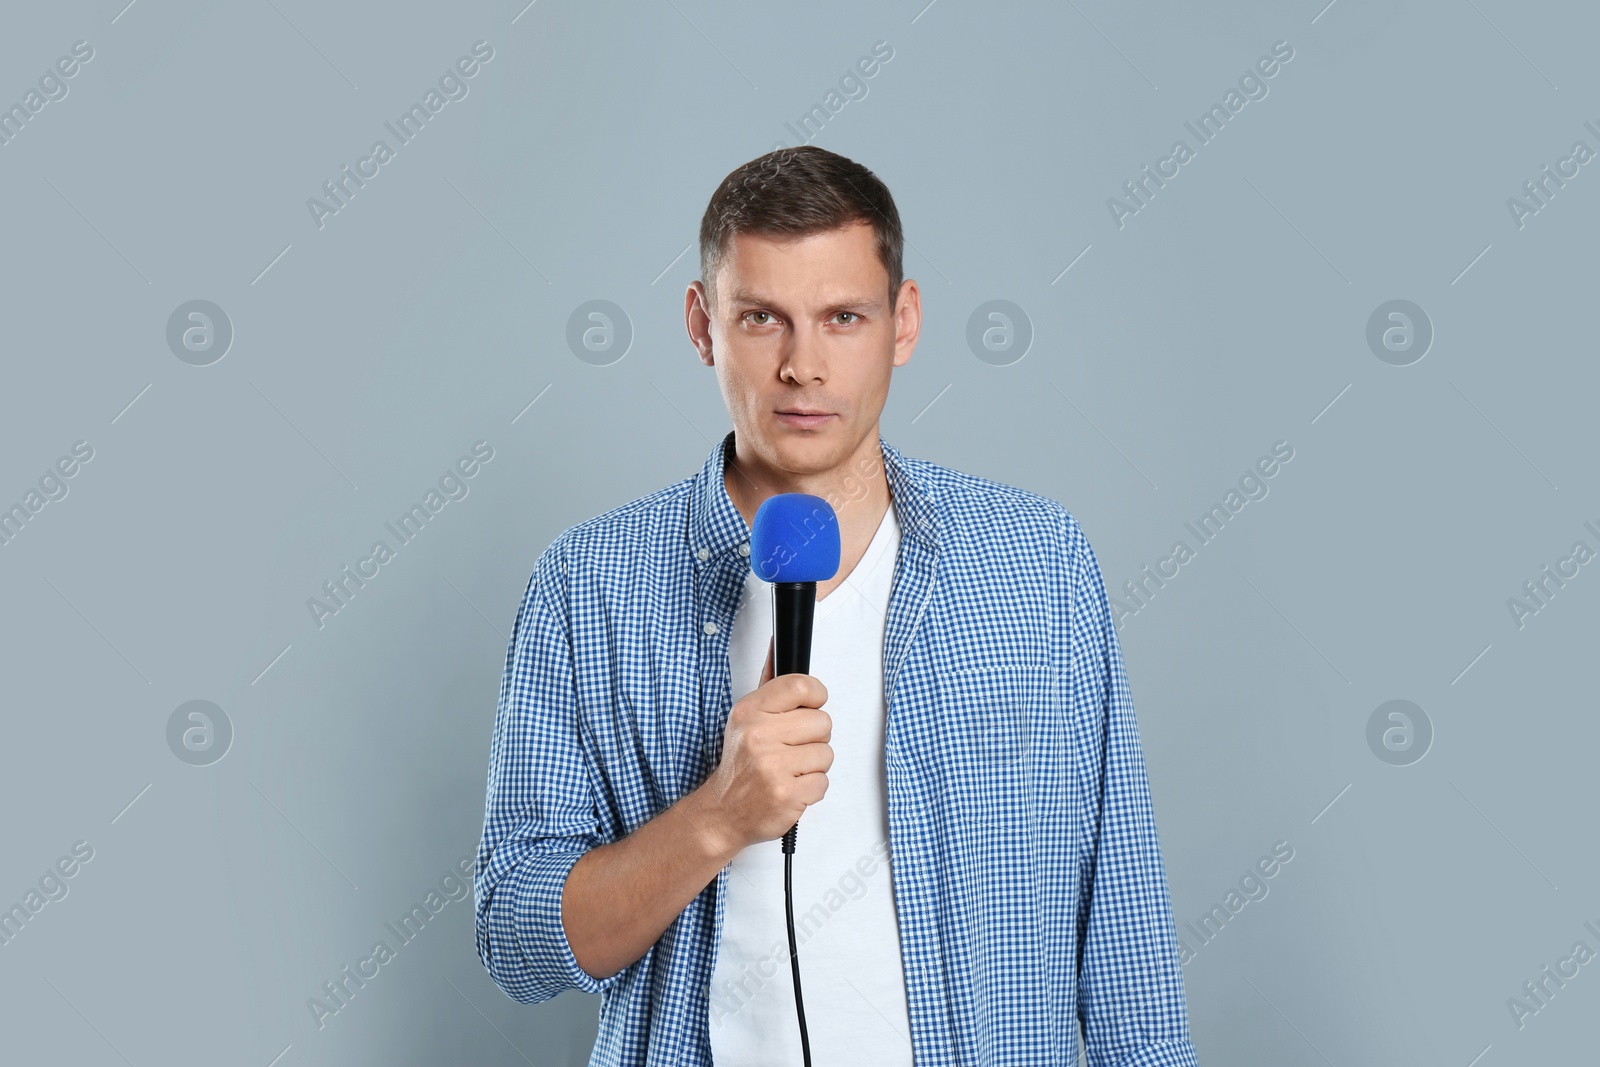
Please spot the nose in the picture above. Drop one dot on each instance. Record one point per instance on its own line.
(803, 361)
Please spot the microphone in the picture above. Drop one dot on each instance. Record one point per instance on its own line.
(794, 544)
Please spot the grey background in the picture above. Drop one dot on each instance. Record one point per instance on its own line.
(369, 354)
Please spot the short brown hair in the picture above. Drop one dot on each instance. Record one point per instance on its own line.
(796, 192)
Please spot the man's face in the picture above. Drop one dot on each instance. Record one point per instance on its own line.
(804, 325)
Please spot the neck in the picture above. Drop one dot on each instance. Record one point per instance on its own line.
(857, 488)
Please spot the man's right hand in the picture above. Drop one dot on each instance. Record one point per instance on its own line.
(775, 758)
(620, 896)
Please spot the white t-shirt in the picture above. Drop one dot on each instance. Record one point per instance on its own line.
(846, 932)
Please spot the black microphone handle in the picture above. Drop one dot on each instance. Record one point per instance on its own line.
(794, 606)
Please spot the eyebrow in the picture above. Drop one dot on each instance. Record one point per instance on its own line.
(744, 296)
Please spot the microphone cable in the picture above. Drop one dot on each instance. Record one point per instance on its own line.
(794, 956)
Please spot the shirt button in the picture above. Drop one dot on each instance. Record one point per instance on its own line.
(744, 549)
(704, 554)
(710, 627)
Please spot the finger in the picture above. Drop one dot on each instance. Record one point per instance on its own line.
(813, 757)
(804, 726)
(766, 671)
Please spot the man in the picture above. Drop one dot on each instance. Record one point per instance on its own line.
(977, 870)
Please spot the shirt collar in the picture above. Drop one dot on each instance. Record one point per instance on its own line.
(716, 527)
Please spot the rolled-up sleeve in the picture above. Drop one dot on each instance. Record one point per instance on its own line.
(1130, 982)
(539, 814)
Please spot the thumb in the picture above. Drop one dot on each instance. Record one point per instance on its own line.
(766, 671)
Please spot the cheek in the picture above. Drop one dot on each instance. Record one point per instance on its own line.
(739, 394)
(875, 383)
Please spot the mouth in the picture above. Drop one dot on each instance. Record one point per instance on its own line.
(803, 418)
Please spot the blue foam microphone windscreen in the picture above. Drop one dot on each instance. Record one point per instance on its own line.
(794, 538)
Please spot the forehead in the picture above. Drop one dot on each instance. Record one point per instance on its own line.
(834, 263)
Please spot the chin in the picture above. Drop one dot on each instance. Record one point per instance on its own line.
(804, 451)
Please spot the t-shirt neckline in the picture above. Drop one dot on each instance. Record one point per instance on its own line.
(876, 549)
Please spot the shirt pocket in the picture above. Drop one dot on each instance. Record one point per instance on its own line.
(1003, 764)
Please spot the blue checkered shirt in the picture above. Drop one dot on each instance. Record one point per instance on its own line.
(1029, 884)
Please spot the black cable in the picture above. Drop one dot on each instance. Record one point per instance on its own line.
(794, 955)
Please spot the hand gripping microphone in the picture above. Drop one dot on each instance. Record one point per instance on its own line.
(794, 544)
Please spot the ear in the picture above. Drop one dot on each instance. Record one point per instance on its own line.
(697, 320)
(907, 322)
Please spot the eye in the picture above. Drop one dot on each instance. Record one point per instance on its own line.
(852, 314)
(766, 313)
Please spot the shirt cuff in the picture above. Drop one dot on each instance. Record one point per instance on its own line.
(1168, 1054)
(536, 887)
